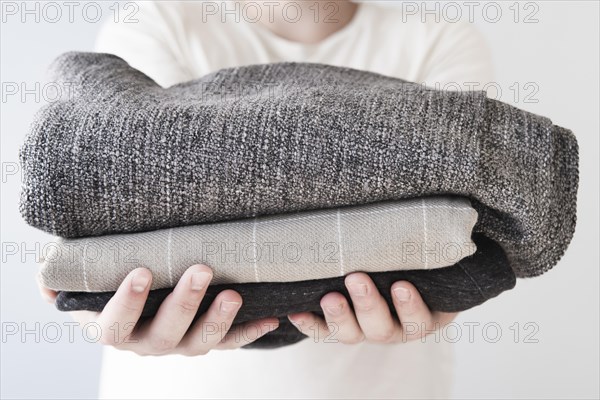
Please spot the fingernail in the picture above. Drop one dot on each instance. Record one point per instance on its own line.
(228, 306)
(139, 282)
(199, 280)
(402, 294)
(335, 310)
(358, 289)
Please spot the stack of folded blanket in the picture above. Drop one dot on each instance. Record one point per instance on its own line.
(284, 178)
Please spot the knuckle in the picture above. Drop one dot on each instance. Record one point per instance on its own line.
(227, 345)
(141, 352)
(414, 336)
(355, 339)
(365, 307)
(121, 346)
(161, 345)
(384, 336)
(191, 351)
(187, 306)
(200, 352)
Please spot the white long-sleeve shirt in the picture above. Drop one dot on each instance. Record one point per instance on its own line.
(173, 42)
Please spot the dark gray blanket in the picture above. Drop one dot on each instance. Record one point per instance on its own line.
(125, 155)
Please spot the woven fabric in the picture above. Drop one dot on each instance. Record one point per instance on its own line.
(468, 283)
(423, 233)
(125, 155)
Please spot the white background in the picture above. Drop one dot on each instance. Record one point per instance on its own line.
(559, 54)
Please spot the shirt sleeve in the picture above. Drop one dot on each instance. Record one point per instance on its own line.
(146, 40)
(459, 55)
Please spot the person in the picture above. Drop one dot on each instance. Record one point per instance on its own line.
(174, 42)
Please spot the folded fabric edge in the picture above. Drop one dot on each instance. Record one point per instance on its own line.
(53, 270)
(565, 187)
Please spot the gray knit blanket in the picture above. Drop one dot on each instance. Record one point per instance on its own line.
(121, 154)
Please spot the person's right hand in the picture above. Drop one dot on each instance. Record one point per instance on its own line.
(171, 330)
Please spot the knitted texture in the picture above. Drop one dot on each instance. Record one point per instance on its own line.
(470, 282)
(425, 233)
(125, 155)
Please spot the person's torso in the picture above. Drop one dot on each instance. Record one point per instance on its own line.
(173, 42)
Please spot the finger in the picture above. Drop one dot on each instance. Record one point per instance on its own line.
(247, 333)
(48, 294)
(175, 314)
(310, 325)
(372, 311)
(340, 318)
(118, 318)
(414, 315)
(212, 326)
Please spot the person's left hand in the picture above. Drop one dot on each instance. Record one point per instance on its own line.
(371, 319)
